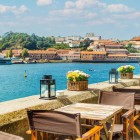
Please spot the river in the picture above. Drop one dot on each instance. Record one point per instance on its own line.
(14, 85)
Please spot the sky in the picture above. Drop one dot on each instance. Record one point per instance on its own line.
(119, 19)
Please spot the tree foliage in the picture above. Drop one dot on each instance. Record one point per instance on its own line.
(130, 48)
(24, 53)
(85, 43)
(61, 46)
(9, 53)
(23, 40)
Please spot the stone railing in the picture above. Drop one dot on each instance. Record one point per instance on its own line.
(13, 118)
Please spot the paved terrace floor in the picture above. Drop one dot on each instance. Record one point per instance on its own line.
(13, 113)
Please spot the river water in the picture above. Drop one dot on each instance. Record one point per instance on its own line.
(14, 85)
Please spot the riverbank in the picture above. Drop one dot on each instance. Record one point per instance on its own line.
(75, 61)
(42, 61)
(106, 61)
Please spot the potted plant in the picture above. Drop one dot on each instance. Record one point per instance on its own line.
(77, 80)
(126, 72)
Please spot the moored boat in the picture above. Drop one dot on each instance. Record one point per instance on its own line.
(5, 61)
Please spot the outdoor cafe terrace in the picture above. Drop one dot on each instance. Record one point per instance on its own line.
(13, 114)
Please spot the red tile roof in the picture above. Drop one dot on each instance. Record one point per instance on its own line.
(136, 38)
(118, 55)
(93, 52)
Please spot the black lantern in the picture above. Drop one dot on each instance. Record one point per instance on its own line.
(47, 87)
(113, 76)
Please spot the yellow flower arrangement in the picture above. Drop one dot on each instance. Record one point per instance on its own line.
(126, 69)
(77, 76)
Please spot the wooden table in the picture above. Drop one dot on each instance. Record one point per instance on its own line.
(101, 113)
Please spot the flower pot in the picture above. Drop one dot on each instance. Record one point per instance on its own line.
(126, 75)
(77, 86)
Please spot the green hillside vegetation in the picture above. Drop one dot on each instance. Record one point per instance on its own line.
(131, 49)
(23, 40)
(11, 40)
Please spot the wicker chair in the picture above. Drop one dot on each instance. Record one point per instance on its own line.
(125, 100)
(54, 124)
(7, 136)
(135, 89)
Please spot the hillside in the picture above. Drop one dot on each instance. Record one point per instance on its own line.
(23, 40)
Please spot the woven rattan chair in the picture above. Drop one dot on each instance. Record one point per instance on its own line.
(125, 100)
(135, 89)
(7, 136)
(57, 123)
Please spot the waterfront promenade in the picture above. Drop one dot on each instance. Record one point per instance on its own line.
(13, 113)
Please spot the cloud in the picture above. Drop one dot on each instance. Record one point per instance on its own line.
(81, 4)
(9, 23)
(130, 16)
(13, 9)
(118, 8)
(44, 2)
(78, 9)
(69, 4)
(101, 21)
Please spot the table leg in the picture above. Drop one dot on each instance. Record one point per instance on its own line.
(109, 133)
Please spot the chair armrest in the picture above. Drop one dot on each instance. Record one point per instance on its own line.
(29, 132)
(128, 113)
(90, 133)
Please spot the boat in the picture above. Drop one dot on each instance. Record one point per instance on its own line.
(5, 61)
(91, 70)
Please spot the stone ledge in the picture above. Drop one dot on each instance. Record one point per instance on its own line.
(15, 110)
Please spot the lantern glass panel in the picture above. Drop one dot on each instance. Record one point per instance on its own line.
(112, 78)
(52, 88)
(44, 89)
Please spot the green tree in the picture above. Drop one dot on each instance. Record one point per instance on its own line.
(7, 54)
(130, 48)
(10, 54)
(24, 53)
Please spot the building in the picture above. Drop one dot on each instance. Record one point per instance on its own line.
(114, 46)
(42, 54)
(93, 55)
(16, 53)
(62, 54)
(114, 57)
(68, 54)
(74, 43)
(87, 55)
(1, 55)
(96, 47)
(91, 36)
(117, 51)
(136, 42)
(103, 42)
(134, 56)
(59, 40)
(73, 38)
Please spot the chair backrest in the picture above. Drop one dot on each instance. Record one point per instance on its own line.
(136, 90)
(117, 98)
(7, 136)
(55, 122)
